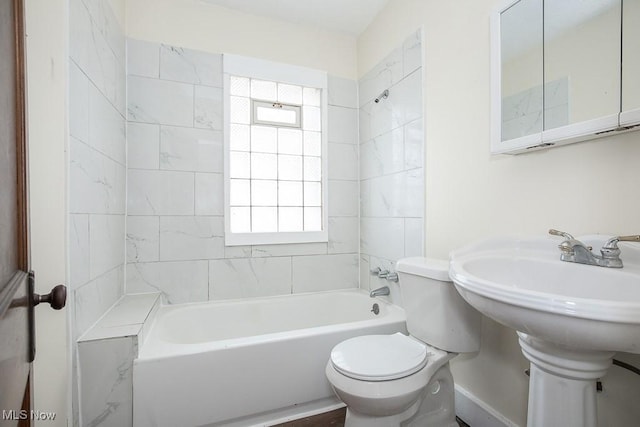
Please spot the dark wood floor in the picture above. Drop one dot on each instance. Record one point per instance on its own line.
(332, 419)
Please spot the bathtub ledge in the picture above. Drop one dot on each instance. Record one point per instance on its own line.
(125, 318)
(105, 360)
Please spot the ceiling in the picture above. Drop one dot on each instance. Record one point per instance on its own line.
(346, 16)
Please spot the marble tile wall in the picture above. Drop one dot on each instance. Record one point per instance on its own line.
(105, 358)
(97, 170)
(97, 156)
(175, 226)
(106, 383)
(391, 161)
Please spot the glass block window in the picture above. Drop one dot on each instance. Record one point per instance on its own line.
(275, 160)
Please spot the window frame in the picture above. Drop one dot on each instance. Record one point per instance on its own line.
(257, 103)
(253, 68)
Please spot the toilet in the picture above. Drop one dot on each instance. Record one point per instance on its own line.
(393, 380)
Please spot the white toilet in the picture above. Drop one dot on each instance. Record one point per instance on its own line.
(393, 380)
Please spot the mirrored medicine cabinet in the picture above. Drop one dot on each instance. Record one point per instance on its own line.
(563, 71)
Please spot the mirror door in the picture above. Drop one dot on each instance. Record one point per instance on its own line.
(581, 66)
(521, 63)
(630, 63)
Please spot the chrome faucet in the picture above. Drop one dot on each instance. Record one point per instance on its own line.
(379, 292)
(573, 250)
(391, 276)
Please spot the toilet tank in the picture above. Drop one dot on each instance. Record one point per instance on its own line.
(436, 313)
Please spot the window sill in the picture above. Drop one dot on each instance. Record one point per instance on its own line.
(281, 237)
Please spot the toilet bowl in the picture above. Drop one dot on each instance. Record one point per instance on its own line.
(393, 380)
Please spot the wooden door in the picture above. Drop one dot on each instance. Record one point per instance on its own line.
(15, 297)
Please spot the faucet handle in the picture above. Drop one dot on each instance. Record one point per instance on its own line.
(560, 233)
(612, 243)
(566, 248)
(375, 271)
(383, 274)
(610, 249)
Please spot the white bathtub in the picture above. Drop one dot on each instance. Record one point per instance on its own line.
(249, 362)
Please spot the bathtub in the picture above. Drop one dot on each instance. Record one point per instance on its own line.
(249, 362)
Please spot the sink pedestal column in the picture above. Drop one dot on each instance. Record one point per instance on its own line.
(562, 388)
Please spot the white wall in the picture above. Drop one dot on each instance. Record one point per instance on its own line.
(197, 25)
(46, 27)
(589, 187)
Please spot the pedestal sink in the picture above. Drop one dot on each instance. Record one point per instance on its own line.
(571, 318)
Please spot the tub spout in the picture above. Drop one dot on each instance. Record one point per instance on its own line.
(380, 291)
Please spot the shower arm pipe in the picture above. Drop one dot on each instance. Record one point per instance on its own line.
(383, 95)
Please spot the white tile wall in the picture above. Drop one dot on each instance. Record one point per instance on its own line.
(343, 235)
(342, 159)
(97, 160)
(143, 58)
(209, 194)
(391, 162)
(148, 101)
(412, 53)
(383, 155)
(106, 383)
(143, 145)
(382, 237)
(191, 237)
(187, 149)
(78, 103)
(288, 250)
(106, 127)
(96, 182)
(190, 66)
(408, 98)
(175, 186)
(341, 128)
(413, 146)
(108, 25)
(160, 192)
(325, 272)
(397, 195)
(249, 277)
(208, 107)
(343, 198)
(143, 238)
(106, 249)
(178, 281)
(97, 192)
(94, 298)
(91, 52)
(79, 249)
(364, 272)
(384, 75)
(343, 92)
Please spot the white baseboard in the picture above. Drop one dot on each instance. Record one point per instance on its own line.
(476, 413)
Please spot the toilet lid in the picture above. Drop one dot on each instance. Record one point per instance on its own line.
(379, 357)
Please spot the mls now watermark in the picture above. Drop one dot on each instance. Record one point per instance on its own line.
(23, 414)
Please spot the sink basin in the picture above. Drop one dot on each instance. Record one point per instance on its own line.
(522, 284)
(571, 318)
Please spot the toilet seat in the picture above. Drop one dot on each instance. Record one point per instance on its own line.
(379, 357)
